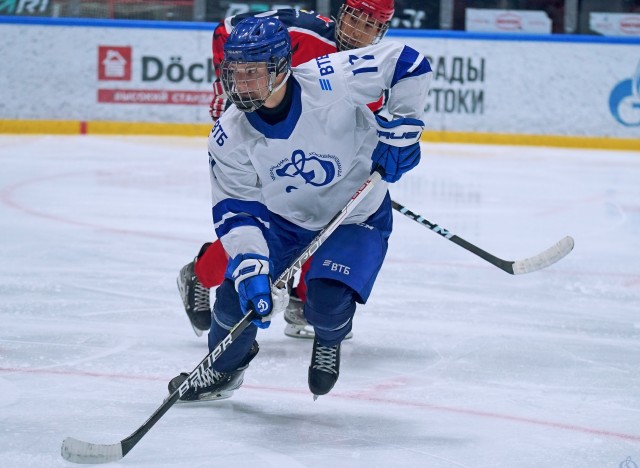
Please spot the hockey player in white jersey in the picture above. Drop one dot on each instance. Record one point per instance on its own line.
(359, 23)
(283, 161)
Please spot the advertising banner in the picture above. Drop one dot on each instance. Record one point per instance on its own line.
(532, 86)
(409, 14)
(509, 21)
(217, 10)
(615, 24)
(25, 7)
(110, 74)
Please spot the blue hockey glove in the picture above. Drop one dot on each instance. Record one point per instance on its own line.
(398, 150)
(250, 272)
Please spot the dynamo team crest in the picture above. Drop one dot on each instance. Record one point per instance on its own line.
(624, 101)
(315, 169)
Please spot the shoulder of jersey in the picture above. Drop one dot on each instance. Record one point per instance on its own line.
(321, 87)
(236, 129)
(308, 20)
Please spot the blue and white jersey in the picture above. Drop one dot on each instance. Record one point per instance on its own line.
(308, 166)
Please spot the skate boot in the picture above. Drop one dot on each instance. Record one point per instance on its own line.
(195, 298)
(324, 369)
(297, 326)
(214, 385)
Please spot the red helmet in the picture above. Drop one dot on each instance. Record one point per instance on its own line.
(382, 10)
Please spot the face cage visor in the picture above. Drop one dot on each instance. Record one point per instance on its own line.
(248, 84)
(355, 28)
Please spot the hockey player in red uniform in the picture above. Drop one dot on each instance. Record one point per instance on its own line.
(359, 23)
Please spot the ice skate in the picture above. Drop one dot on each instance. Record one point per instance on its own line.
(195, 298)
(324, 369)
(214, 385)
(297, 326)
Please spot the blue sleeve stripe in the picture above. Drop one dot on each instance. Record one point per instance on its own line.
(230, 213)
(410, 63)
(237, 221)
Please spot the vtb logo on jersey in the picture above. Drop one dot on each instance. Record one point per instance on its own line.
(314, 169)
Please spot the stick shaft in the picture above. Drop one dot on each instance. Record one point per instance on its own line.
(517, 267)
(84, 452)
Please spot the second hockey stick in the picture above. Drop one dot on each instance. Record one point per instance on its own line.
(78, 451)
(516, 267)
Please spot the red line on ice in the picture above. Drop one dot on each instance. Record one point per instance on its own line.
(359, 397)
(7, 198)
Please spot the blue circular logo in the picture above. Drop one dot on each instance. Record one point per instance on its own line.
(624, 101)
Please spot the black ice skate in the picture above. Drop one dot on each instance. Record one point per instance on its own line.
(214, 385)
(324, 368)
(195, 298)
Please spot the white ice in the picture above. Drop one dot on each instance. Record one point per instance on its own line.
(454, 363)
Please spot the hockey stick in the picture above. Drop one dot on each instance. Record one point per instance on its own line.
(78, 451)
(518, 267)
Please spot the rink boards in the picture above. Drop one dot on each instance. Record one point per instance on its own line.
(95, 76)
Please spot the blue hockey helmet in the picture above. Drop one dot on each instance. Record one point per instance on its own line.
(257, 50)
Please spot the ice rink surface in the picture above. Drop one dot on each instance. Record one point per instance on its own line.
(454, 363)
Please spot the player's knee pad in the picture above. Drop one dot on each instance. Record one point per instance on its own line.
(329, 308)
(226, 314)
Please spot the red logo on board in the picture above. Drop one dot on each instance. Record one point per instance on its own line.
(114, 63)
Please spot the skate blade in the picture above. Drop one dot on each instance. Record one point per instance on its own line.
(196, 330)
(307, 333)
(299, 331)
(213, 396)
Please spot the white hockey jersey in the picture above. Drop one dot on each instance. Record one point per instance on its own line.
(308, 166)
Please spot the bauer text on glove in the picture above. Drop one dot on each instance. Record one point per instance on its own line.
(398, 149)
